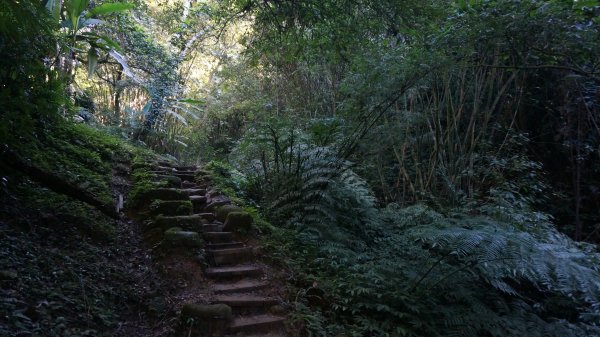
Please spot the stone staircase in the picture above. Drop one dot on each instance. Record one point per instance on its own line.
(189, 214)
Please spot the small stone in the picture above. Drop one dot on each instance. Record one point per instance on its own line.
(224, 210)
(238, 221)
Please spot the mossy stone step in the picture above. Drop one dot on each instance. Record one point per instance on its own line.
(212, 228)
(224, 245)
(170, 207)
(187, 222)
(230, 256)
(178, 168)
(194, 191)
(208, 216)
(169, 180)
(256, 323)
(176, 237)
(198, 201)
(233, 272)
(245, 285)
(218, 237)
(245, 301)
(189, 184)
(163, 194)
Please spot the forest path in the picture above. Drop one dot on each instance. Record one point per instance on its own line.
(224, 291)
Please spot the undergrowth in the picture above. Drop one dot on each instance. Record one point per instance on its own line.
(489, 268)
(62, 274)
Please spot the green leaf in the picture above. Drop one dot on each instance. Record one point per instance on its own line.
(53, 7)
(586, 3)
(92, 61)
(191, 101)
(74, 9)
(109, 8)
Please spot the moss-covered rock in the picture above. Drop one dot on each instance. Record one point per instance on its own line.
(223, 210)
(187, 222)
(238, 222)
(176, 237)
(170, 207)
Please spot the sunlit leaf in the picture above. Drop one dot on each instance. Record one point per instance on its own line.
(107, 8)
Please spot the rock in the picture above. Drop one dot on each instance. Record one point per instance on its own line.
(214, 204)
(238, 221)
(224, 209)
(170, 207)
(186, 222)
(176, 237)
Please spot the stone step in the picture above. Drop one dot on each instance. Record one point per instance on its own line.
(233, 271)
(198, 201)
(208, 216)
(185, 176)
(187, 222)
(194, 191)
(218, 237)
(255, 323)
(212, 228)
(189, 184)
(185, 168)
(245, 300)
(230, 256)
(245, 285)
(225, 245)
